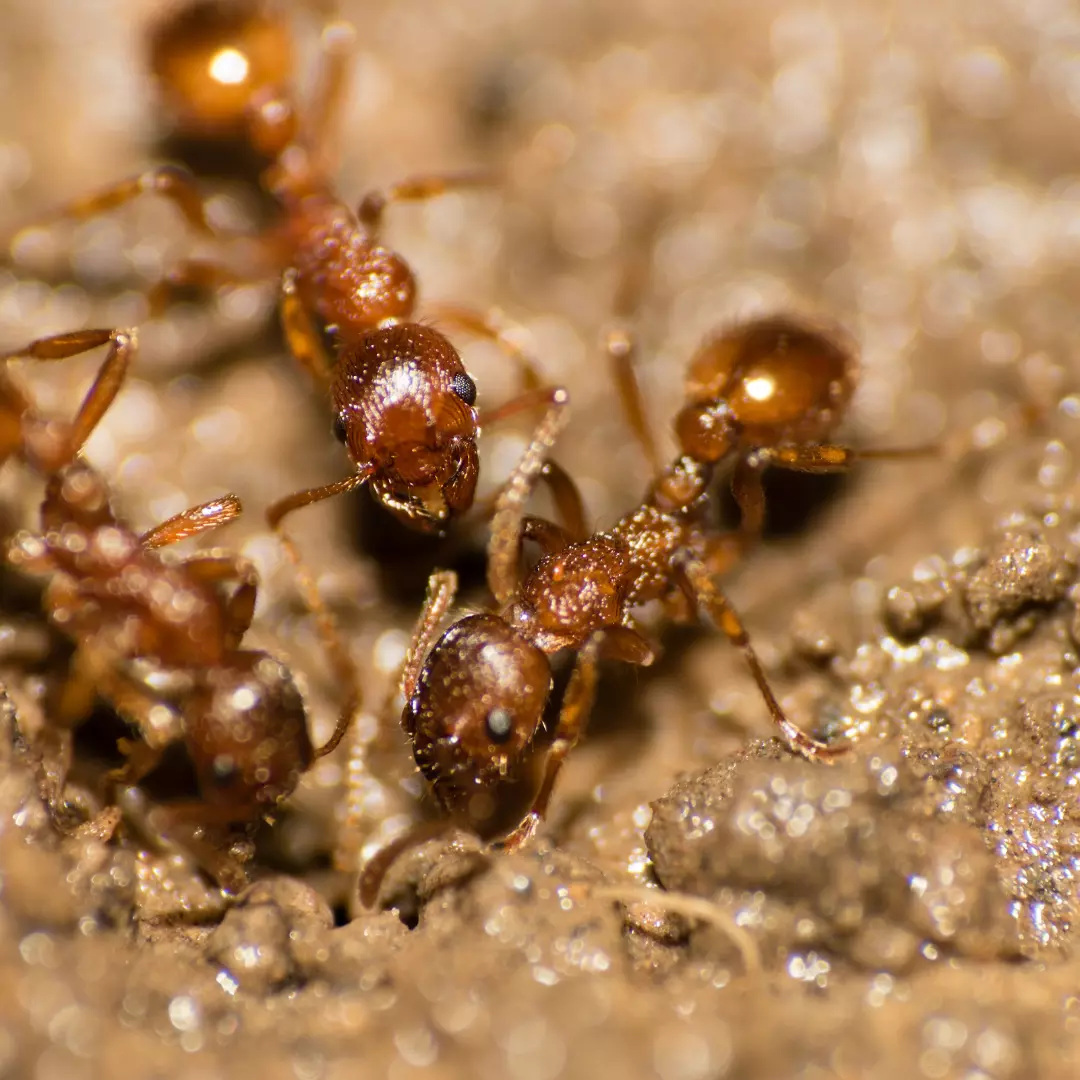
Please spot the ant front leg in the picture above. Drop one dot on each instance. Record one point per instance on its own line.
(301, 335)
(506, 523)
(576, 705)
(694, 578)
(615, 643)
(51, 449)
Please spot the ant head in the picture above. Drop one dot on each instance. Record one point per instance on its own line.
(247, 734)
(404, 409)
(210, 59)
(768, 381)
(478, 703)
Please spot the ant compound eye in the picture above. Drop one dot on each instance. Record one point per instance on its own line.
(500, 725)
(339, 429)
(464, 387)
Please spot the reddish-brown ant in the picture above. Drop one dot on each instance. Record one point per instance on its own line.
(403, 403)
(767, 392)
(137, 621)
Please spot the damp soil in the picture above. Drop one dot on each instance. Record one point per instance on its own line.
(702, 903)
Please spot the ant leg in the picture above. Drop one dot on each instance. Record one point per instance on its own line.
(576, 705)
(568, 502)
(214, 568)
(550, 537)
(830, 458)
(490, 326)
(205, 275)
(123, 345)
(568, 505)
(300, 333)
(140, 760)
(170, 182)
(700, 587)
(506, 523)
(750, 497)
(184, 825)
(344, 669)
(621, 349)
(441, 590)
(371, 877)
(13, 406)
(193, 521)
(337, 49)
(417, 189)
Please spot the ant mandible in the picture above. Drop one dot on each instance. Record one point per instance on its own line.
(238, 712)
(766, 392)
(403, 403)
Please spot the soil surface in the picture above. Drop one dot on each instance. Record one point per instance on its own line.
(701, 903)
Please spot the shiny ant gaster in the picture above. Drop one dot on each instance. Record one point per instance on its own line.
(767, 392)
(133, 616)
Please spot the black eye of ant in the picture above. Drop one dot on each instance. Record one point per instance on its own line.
(339, 429)
(500, 725)
(464, 387)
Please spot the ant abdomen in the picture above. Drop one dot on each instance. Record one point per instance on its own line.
(770, 381)
(210, 58)
(247, 734)
(478, 702)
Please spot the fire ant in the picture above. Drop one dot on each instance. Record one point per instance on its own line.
(138, 622)
(403, 403)
(768, 392)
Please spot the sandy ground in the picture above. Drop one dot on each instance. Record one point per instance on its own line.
(906, 170)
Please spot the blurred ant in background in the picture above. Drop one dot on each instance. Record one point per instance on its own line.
(140, 624)
(403, 403)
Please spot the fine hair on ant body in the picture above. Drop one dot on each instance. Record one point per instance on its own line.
(403, 403)
(768, 392)
(138, 622)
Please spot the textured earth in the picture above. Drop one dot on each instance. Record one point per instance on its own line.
(701, 903)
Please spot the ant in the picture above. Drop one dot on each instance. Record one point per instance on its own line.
(138, 622)
(768, 392)
(403, 403)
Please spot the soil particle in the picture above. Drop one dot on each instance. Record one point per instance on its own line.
(842, 862)
(261, 938)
